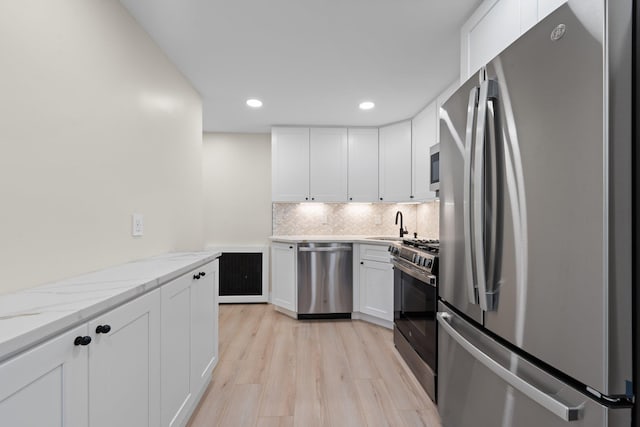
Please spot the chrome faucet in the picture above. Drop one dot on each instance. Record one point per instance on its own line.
(403, 230)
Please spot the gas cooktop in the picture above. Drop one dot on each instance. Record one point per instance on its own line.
(429, 245)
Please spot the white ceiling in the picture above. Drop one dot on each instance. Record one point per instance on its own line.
(310, 61)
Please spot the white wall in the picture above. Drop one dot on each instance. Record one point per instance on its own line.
(95, 124)
(237, 188)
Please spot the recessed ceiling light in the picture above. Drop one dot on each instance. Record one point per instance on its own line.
(367, 105)
(255, 103)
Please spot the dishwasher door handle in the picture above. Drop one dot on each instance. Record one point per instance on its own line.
(334, 249)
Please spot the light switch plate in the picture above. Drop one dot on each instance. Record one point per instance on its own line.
(137, 225)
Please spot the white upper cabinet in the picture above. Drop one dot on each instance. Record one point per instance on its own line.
(423, 137)
(395, 162)
(494, 26)
(328, 165)
(545, 7)
(491, 28)
(290, 164)
(441, 99)
(363, 165)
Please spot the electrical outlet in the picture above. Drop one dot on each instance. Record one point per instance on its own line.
(137, 224)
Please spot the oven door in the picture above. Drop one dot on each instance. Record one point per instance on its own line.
(415, 309)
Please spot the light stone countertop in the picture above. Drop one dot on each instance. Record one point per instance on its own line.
(374, 240)
(34, 315)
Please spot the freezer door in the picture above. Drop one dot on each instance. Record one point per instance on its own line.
(482, 384)
(457, 283)
(544, 186)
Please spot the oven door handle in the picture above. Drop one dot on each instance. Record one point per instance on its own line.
(429, 279)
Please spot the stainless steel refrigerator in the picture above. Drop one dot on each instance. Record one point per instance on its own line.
(535, 287)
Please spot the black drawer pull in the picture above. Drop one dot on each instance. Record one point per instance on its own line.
(103, 329)
(86, 340)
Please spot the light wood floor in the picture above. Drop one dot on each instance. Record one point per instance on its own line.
(274, 371)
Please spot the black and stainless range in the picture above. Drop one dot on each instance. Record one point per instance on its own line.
(415, 264)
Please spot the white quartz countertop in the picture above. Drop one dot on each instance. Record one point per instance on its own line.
(33, 315)
(374, 240)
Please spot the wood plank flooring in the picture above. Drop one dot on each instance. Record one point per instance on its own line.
(275, 371)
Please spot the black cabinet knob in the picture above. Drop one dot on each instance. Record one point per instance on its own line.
(290, 247)
(103, 329)
(362, 262)
(196, 276)
(350, 198)
(306, 198)
(380, 198)
(411, 197)
(82, 340)
(202, 274)
(313, 198)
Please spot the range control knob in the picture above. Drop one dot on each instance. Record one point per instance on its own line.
(418, 260)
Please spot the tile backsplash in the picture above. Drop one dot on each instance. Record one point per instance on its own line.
(354, 218)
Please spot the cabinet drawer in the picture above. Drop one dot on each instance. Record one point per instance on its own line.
(375, 253)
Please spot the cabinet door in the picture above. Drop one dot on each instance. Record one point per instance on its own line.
(283, 276)
(423, 136)
(441, 99)
(395, 162)
(376, 289)
(124, 365)
(176, 389)
(290, 164)
(545, 7)
(378, 253)
(204, 325)
(491, 28)
(363, 165)
(328, 164)
(46, 385)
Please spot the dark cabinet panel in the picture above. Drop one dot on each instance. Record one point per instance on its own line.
(240, 274)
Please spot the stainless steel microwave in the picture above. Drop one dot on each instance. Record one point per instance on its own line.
(434, 162)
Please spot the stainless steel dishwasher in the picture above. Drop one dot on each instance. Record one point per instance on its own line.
(325, 280)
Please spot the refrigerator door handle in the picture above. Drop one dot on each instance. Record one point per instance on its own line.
(566, 413)
(488, 90)
(493, 200)
(468, 142)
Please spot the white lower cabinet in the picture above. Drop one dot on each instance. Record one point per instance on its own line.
(283, 276)
(373, 286)
(204, 325)
(124, 365)
(176, 350)
(47, 385)
(189, 340)
(143, 363)
(376, 289)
